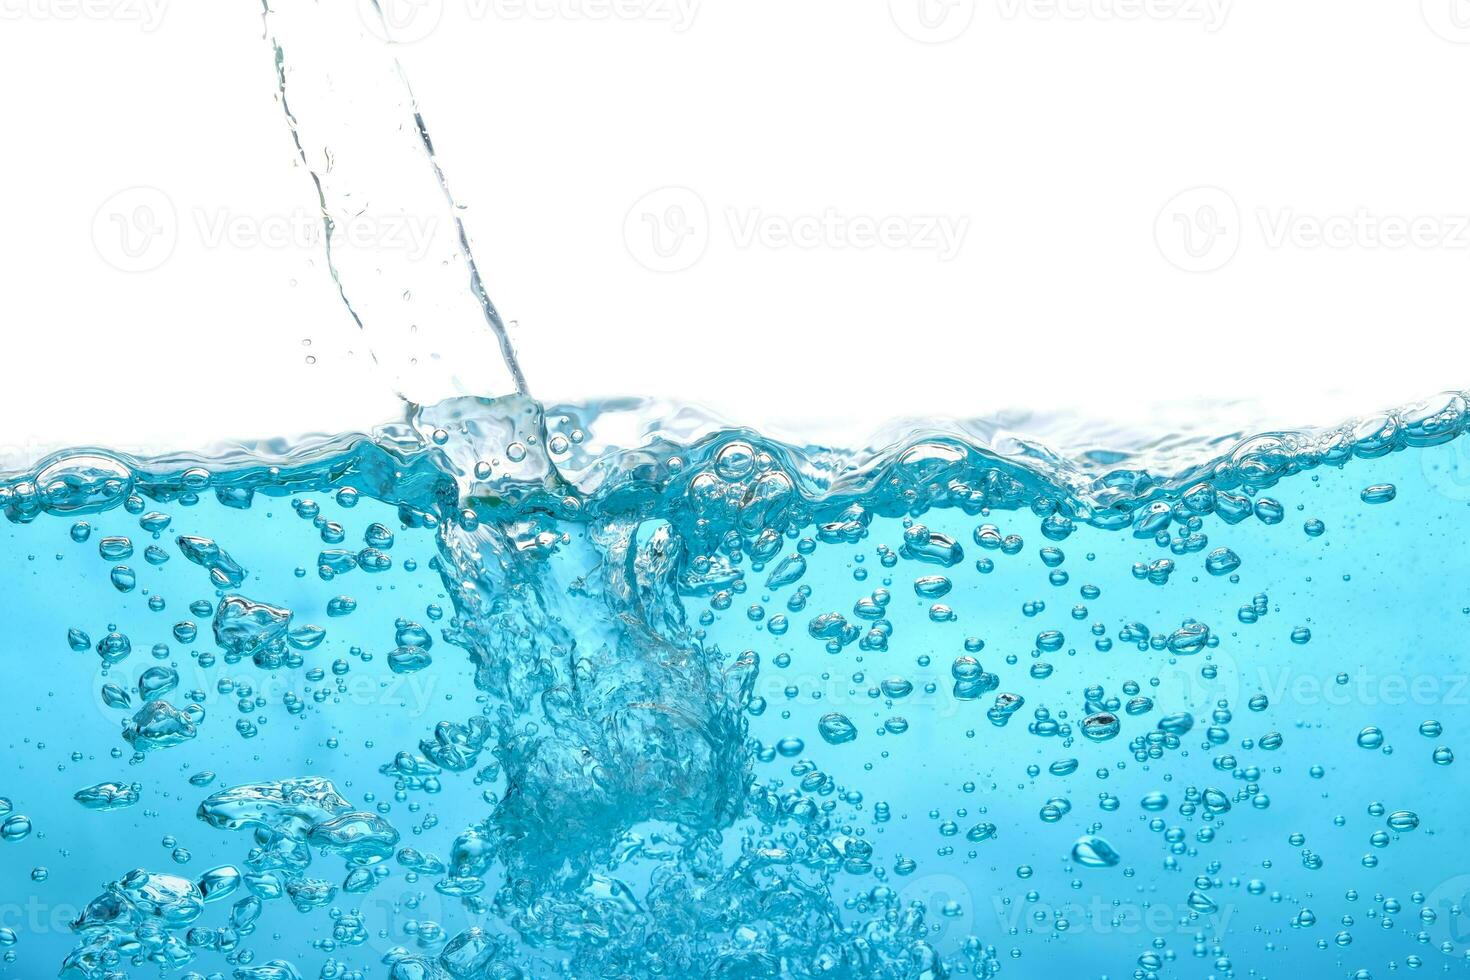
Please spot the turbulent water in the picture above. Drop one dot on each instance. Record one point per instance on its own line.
(498, 692)
(617, 690)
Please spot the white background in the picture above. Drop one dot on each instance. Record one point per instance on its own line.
(1163, 203)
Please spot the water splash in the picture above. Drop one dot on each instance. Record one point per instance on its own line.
(630, 763)
(512, 690)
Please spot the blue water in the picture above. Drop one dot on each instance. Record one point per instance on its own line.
(489, 694)
(617, 690)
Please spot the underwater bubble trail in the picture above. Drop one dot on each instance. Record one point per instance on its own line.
(488, 693)
(398, 716)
